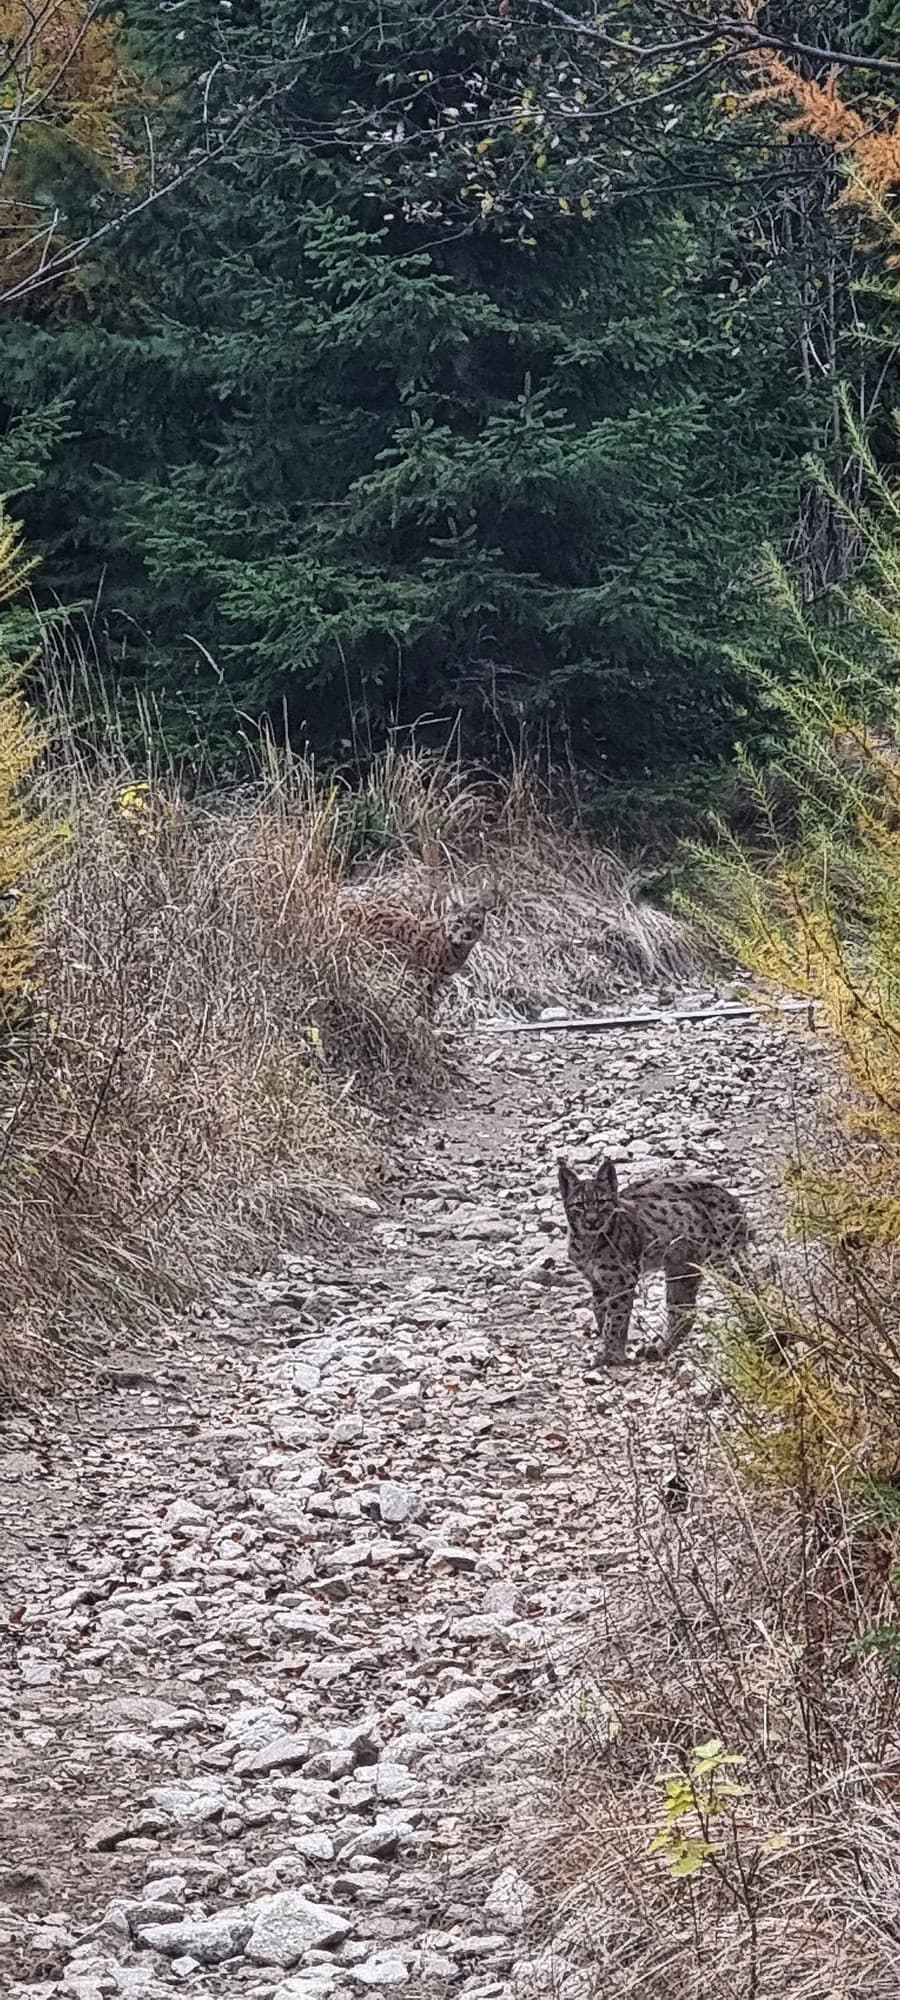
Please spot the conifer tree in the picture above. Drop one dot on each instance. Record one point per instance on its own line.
(380, 423)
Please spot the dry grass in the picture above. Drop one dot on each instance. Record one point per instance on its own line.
(215, 1055)
(765, 1615)
(175, 1108)
(570, 924)
(743, 1625)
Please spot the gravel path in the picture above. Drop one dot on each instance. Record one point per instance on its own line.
(278, 1605)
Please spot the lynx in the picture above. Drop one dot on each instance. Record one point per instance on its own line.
(434, 947)
(673, 1225)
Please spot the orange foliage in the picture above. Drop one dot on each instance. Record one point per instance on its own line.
(63, 88)
(869, 146)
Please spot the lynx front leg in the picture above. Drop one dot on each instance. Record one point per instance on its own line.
(682, 1288)
(613, 1306)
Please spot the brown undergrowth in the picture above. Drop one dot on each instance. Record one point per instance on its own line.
(214, 1058)
(717, 1784)
(723, 1798)
(721, 1805)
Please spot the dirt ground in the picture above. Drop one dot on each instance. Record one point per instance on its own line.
(279, 1597)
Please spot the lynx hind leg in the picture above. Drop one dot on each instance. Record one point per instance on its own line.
(682, 1287)
(740, 1252)
(738, 1264)
(613, 1306)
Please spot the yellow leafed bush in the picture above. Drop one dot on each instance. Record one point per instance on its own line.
(815, 908)
(25, 837)
(61, 101)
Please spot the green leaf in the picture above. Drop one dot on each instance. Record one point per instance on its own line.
(691, 1859)
(708, 1753)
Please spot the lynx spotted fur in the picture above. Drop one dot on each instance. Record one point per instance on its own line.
(434, 947)
(672, 1224)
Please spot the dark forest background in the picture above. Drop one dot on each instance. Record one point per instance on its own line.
(442, 364)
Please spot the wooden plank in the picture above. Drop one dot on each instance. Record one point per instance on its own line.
(594, 1024)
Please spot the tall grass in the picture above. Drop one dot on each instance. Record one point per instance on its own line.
(183, 1097)
(740, 1624)
(214, 1052)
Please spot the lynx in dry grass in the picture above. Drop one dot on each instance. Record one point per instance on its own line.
(434, 947)
(673, 1225)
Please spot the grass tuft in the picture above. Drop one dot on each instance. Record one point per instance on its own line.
(213, 1055)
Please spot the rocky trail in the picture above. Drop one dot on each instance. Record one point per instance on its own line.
(283, 1600)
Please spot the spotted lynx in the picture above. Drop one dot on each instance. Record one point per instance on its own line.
(672, 1225)
(433, 947)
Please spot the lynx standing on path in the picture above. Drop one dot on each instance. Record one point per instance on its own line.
(672, 1225)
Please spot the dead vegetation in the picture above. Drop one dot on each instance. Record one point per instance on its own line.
(569, 923)
(717, 1781)
(213, 1052)
(718, 1784)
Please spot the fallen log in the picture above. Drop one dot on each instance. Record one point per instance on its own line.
(669, 1017)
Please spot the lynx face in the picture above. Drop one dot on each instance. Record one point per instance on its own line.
(464, 928)
(590, 1204)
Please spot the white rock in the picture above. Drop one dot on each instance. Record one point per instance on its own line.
(397, 1503)
(481, 1625)
(482, 1945)
(138, 1982)
(315, 1846)
(297, 1623)
(434, 1965)
(128, 1743)
(185, 1514)
(394, 1783)
(319, 1982)
(449, 1708)
(249, 1727)
(148, 1910)
(411, 1746)
(500, 1598)
(510, 1899)
(287, 1751)
(281, 1872)
(350, 1556)
(175, 1722)
(382, 1969)
(380, 1840)
(348, 1430)
(448, 1556)
(288, 1925)
(209, 1940)
(165, 1888)
(191, 1805)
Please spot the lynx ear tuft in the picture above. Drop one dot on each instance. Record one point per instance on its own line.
(606, 1180)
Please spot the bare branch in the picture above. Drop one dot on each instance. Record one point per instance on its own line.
(70, 255)
(703, 35)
